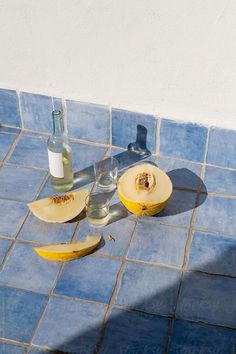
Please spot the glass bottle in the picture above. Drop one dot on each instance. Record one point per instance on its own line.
(59, 156)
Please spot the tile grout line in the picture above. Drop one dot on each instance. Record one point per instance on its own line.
(19, 108)
(186, 256)
(113, 296)
(158, 136)
(14, 240)
(50, 293)
(12, 147)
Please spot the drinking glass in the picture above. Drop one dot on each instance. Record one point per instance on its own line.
(97, 209)
(106, 172)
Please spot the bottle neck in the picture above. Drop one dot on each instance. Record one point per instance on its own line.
(58, 128)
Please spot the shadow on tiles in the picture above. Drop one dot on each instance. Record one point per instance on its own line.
(198, 316)
(136, 151)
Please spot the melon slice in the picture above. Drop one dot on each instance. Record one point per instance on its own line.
(144, 189)
(68, 251)
(59, 208)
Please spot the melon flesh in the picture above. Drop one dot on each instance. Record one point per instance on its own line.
(140, 199)
(60, 208)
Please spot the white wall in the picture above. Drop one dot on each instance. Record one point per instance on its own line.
(174, 58)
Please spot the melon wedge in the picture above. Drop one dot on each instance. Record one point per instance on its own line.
(68, 251)
(144, 189)
(59, 208)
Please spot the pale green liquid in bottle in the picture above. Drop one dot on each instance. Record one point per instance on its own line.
(59, 145)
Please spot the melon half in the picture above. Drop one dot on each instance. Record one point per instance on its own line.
(59, 208)
(144, 189)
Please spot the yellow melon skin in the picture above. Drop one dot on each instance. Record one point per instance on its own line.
(142, 209)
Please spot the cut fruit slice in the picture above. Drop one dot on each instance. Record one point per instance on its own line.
(144, 189)
(59, 208)
(68, 251)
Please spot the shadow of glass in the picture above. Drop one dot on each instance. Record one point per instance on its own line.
(136, 151)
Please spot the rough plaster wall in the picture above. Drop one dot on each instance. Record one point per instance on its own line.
(176, 59)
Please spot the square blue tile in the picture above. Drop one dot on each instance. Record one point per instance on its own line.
(213, 253)
(12, 215)
(4, 247)
(150, 289)
(179, 209)
(36, 111)
(157, 243)
(84, 156)
(134, 332)
(183, 174)
(219, 180)
(184, 140)
(25, 269)
(6, 141)
(120, 230)
(124, 128)
(9, 110)
(192, 338)
(10, 349)
(35, 351)
(207, 298)
(20, 183)
(42, 232)
(217, 214)
(91, 278)
(70, 326)
(222, 147)
(88, 121)
(31, 150)
(20, 310)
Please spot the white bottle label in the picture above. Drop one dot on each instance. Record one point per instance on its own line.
(56, 164)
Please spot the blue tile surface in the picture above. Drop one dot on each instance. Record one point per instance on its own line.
(193, 338)
(57, 104)
(183, 174)
(75, 325)
(34, 351)
(9, 110)
(30, 150)
(20, 311)
(183, 140)
(220, 181)
(124, 128)
(222, 147)
(157, 243)
(20, 183)
(101, 273)
(133, 332)
(179, 209)
(85, 155)
(208, 298)
(36, 111)
(4, 247)
(25, 269)
(151, 289)
(88, 121)
(6, 141)
(10, 349)
(120, 230)
(213, 253)
(42, 232)
(11, 130)
(217, 214)
(12, 215)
